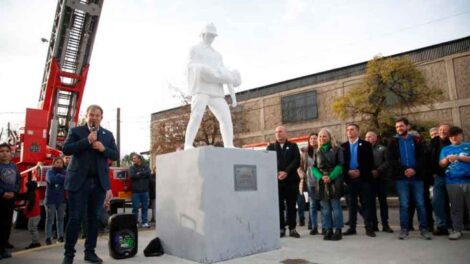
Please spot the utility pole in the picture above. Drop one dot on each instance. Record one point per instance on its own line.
(118, 134)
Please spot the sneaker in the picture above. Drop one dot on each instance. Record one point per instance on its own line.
(456, 235)
(314, 231)
(33, 245)
(293, 233)
(283, 232)
(370, 232)
(426, 235)
(146, 225)
(440, 231)
(48, 241)
(337, 235)
(328, 234)
(387, 229)
(403, 235)
(5, 254)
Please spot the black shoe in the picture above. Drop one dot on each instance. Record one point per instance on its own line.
(328, 234)
(323, 231)
(337, 235)
(293, 233)
(83, 236)
(61, 240)
(309, 226)
(375, 228)
(302, 223)
(283, 232)
(314, 231)
(67, 260)
(387, 229)
(92, 257)
(33, 245)
(440, 231)
(347, 223)
(48, 241)
(350, 232)
(412, 228)
(370, 232)
(9, 246)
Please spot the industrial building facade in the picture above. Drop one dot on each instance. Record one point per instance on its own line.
(303, 104)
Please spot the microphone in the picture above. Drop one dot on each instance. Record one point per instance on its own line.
(93, 127)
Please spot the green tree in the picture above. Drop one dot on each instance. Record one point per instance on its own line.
(390, 87)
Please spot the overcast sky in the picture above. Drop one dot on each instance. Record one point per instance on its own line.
(143, 44)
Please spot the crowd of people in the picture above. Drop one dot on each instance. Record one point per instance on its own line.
(360, 170)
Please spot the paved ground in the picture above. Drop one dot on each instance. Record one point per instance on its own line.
(384, 249)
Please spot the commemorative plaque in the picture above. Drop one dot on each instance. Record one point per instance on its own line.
(245, 177)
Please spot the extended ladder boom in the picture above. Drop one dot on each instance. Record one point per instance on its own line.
(70, 47)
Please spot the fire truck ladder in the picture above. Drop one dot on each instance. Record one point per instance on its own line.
(70, 47)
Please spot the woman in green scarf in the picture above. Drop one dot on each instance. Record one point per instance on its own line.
(327, 171)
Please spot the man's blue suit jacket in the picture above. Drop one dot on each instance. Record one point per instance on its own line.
(81, 150)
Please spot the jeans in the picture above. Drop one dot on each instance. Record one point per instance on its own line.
(359, 190)
(137, 200)
(459, 196)
(440, 202)
(331, 211)
(51, 211)
(301, 207)
(379, 189)
(91, 195)
(411, 188)
(314, 204)
(33, 228)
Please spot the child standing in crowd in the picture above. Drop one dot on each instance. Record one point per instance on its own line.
(33, 212)
(55, 199)
(455, 158)
(9, 185)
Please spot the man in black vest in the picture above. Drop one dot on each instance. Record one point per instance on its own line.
(357, 169)
(288, 161)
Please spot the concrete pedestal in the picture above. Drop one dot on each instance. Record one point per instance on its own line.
(215, 204)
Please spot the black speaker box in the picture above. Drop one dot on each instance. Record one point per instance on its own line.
(123, 236)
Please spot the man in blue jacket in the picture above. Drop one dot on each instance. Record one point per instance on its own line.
(405, 154)
(87, 182)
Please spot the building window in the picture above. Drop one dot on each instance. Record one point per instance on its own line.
(299, 107)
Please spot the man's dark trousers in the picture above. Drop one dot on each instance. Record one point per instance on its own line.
(93, 196)
(288, 194)
(359, 190)
(379, 190)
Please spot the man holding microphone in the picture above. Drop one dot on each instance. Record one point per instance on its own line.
(87, 181)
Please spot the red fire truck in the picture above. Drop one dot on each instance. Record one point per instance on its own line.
(65, 74)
